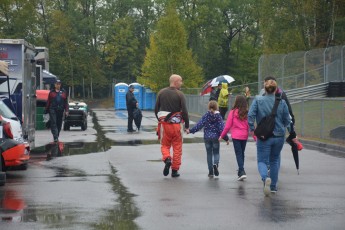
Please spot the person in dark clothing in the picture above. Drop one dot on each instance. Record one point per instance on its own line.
(215, 93)
(131, 103)
(57, 105)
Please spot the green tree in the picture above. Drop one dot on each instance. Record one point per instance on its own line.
(168, 54)
(121, 50)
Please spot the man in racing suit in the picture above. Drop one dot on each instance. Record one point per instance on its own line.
(171, 112)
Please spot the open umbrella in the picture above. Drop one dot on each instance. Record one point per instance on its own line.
(220, 79)
(206, 88)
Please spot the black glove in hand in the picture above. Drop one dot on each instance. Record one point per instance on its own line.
(290, 138)
(45, 111)
(292, 135)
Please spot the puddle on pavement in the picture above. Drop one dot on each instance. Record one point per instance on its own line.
(102, 143)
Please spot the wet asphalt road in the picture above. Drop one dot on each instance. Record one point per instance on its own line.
(106, 178)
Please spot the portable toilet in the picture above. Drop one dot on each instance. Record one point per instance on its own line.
(138, 94)
(120, 95)
(149, 99)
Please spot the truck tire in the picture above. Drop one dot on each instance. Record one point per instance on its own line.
(84, 126)
(2, 178)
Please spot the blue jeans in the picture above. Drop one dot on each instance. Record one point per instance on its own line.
(212, 150)
(239, 147)
(269, 151)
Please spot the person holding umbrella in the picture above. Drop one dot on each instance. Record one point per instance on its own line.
(269, 150)
(292, 138)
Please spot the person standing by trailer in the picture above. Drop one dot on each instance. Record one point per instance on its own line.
(171, 112)
(131, 103)
(57, 105)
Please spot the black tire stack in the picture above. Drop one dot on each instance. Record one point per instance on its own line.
(336, 89)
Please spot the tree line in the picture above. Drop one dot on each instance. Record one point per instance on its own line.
(99, 42)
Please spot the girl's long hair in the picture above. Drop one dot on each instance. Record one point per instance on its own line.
(242, 106)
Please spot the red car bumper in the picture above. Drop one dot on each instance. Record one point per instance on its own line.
(14, 153)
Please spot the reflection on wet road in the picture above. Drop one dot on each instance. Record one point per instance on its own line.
(32, 199)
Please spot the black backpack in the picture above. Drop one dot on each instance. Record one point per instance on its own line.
(264, 129)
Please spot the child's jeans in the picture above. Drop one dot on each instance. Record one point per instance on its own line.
(212, 150)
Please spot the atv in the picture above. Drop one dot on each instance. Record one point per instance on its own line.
(77, 116)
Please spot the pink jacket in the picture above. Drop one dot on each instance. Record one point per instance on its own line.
(239, 128)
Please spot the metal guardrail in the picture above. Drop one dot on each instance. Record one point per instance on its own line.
(313, 91)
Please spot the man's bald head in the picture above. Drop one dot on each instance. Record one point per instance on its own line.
(175, 81)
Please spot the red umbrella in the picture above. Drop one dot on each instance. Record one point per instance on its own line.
(207, 88)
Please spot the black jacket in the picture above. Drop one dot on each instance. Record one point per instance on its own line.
(131, 102)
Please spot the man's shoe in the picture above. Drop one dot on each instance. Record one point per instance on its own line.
(130, 130)
(167, 167)
(241, 175)
(215, 170)
(175, 173)
(267, 186)
(56, 140)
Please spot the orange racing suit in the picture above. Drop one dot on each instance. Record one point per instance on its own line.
(171, 112)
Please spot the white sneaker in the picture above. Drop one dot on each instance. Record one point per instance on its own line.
(267, 186)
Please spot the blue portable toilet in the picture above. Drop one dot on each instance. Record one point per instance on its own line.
(149, 99)
(120, 95)
(138, 93)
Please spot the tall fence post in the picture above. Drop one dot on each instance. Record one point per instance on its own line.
(342, 63)
(283, 69)
(322, 119)
(324, 65)
(305, 68)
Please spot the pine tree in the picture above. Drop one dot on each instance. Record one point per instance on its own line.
(168, 54)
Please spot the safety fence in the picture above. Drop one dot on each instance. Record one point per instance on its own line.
(316, 118)
(304, 68)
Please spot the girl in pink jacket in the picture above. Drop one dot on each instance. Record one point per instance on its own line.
(237, 124)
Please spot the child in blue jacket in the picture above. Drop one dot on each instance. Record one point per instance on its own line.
(213, 125)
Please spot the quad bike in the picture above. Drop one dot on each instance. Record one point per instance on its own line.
(77, 116)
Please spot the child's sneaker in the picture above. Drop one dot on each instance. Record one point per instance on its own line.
(215, 169)
(267, 186)
(241, 175)
(210, 173)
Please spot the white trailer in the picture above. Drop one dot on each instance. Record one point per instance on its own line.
(21, 84)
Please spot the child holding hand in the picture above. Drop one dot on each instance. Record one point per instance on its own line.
(213, 125)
